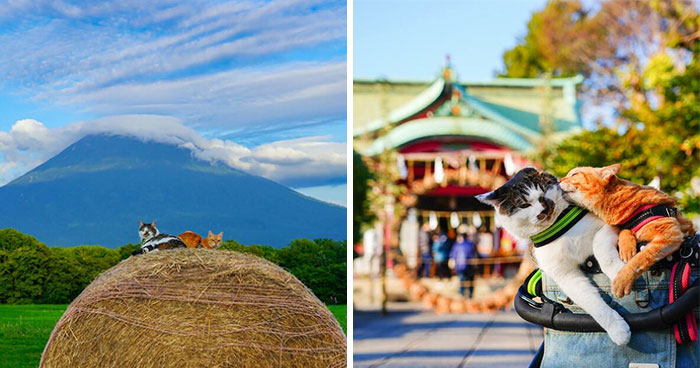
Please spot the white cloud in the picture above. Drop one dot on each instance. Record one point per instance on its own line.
(236, 66)
(299, 162)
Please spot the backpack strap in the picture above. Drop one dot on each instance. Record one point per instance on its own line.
(686, 330)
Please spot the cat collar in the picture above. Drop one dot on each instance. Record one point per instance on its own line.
(566, 220)
(645, 214)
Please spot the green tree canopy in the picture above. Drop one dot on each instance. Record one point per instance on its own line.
(642, 63)
(31, 272)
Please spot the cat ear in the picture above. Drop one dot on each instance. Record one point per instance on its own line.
(210, 233)
(140, 223)
(488, 198)
(609, 171)
(221, 234)
(154, 223)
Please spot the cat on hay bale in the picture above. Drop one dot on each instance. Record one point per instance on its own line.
(194, 240)
(153, 240)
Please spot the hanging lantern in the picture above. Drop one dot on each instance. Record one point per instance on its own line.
(509, 164)
(433, 220)
(401, 163)
(454, 220)
(476, 220)
(439, 170)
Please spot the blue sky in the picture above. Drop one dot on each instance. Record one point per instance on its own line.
(410, 39)
(258, 84)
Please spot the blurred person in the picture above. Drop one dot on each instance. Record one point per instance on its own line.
(484, 247)
(462, 251)
(441, 254)
(424, 245)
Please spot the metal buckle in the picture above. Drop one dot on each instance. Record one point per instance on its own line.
(671, 211)
(689, 251)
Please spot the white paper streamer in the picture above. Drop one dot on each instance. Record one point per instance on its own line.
(454, 220)
(401, 163)
(433, 221)
(439, 170)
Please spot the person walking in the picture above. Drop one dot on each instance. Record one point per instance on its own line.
(441, 253)
(424, 245)
(462, 251)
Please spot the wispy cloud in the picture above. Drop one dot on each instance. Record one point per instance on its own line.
(225, 65)
(303, 162)
(259, 85)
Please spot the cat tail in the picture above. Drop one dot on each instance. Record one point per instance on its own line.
(686, 225)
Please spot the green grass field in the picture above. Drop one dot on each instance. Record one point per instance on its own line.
(341, 314)
(24, 330)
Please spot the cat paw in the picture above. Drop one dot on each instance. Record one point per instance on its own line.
(627, 245)
(622, 285)
(620, 332)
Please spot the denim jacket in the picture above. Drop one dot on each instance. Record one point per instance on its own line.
(577, 349)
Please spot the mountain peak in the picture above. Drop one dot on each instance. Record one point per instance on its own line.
(98, 152)
(97, 189)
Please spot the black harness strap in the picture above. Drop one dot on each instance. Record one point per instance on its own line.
(660, 210)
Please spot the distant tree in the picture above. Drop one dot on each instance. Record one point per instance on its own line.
(23, 272)
(31, 272)
(126, 250)
(362, 215)
(11, 239)
(611, 43)
(641, 60)
(321, 265)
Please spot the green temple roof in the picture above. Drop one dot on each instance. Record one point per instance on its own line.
(505, 111)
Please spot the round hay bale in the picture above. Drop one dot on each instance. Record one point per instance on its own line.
(196, 308)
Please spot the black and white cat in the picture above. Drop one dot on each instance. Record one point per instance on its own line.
(152, 240)
(527, 206)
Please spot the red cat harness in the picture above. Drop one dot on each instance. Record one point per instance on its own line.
(686, 330)
(646, 214)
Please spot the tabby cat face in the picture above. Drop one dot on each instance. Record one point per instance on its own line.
(215, 239)
(586, 185)
(147, 231)
(528, 203)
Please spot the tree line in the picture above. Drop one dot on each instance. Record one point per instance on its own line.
(33, 273)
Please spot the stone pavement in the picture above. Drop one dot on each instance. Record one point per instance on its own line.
(410, 337)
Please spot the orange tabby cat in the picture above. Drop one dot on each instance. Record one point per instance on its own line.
(616, 200)
(193, 240)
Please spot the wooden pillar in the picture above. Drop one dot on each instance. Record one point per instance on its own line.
(427, 175)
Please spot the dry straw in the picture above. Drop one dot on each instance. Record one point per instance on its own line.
(196, 308)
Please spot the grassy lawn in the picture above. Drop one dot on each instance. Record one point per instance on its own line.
(340, 312)
(24, 330)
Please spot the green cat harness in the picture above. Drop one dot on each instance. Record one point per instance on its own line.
(566, 220)
(534, 284)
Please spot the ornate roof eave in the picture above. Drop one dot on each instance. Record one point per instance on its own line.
(493, 115)
(411, 108)
(413, 130)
